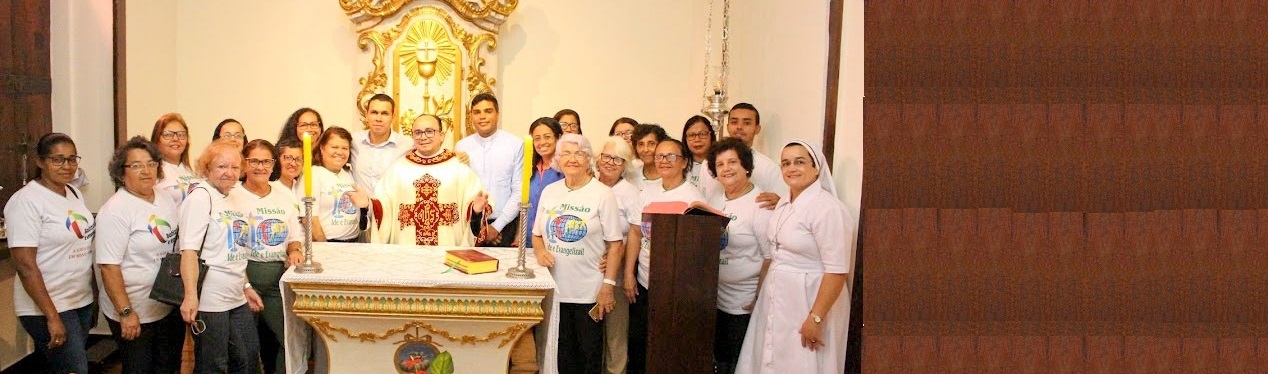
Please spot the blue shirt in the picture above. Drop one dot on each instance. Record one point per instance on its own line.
(536, 184)
(498, 160)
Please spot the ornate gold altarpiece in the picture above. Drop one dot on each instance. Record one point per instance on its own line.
(384, 308)
(431, 56)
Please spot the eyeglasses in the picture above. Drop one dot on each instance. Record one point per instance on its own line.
(255, 162)
(574, 156)
(311, 125)
(666, 158)
(169, 135)
(198, 327)
(289, 158)
(624, 134)
(428, 133)
(59, 160)
(233, 135)
(569, 126)
(698, 135)
(610, 159)
(137, 166)
(799, 162)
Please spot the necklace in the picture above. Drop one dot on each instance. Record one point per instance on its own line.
(779, 223)
(746, 191)
(583, 184)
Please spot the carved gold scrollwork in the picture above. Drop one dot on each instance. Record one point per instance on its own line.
(476, 79)
(328, 329)
(485, 14)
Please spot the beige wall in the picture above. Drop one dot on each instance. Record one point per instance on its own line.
(603, 59)
(83, 86)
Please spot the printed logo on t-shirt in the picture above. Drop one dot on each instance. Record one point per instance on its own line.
(78, 224)
(162, 230)
(236, 230)
(270, 232)
(568, 228)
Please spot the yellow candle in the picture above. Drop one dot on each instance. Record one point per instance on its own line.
(308, 165)
(528, 167)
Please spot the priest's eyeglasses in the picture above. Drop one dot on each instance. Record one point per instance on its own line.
(137, 166)
(428, 133)
(169, 135)
(610, 159)
(59, 160)
(255, 162)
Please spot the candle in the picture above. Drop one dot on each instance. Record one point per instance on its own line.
(528, 167)
(308, 165)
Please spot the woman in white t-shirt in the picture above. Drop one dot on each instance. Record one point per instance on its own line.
(50, 235)
(290, 163)
(578, 225)
(221, 318)
(673, 164)
(336, 216)
(615, 165)
(136, 228)
(646, 137)
(272, 240)
(745, 248)
(699, 135)
(171, 136)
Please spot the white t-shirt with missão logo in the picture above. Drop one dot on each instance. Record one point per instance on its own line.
(334, 209)
(272, 221)
(576, 226)
(207, 212)
(175, 182)
(60, 228)
(745, 246)
(135, 234)
(685, 192)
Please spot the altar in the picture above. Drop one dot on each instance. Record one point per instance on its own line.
(398, 309)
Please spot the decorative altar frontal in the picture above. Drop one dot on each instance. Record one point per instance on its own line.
(381, 308)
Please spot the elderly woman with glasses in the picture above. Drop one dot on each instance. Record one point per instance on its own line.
(673, 165)
(616, 164)
(50, 234)
(578, 225)
(136, 228)
(745, 252)
(221, 318)
(272, 241)
(802, 314)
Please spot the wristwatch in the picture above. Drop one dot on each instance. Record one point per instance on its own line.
(125, 312)
(816, 318)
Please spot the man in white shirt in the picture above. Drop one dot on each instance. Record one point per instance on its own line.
(376, 149)
(744, 123)
(497, 156)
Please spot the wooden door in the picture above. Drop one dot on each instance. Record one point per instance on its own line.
(25, 89)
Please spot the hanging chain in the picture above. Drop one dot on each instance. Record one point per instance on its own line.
(726, 22)
(708, 48)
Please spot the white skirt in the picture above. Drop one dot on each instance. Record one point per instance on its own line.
(773, 342)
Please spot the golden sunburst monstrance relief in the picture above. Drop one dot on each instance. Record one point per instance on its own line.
(428, 53)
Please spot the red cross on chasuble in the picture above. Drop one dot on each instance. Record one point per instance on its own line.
(427, 214)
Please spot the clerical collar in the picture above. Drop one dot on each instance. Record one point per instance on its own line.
(443, 156)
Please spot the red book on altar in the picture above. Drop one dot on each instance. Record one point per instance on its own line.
(470, 261)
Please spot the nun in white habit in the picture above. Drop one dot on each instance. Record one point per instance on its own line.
(802, 313)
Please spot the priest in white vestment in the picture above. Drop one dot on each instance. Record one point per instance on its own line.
(428, 197)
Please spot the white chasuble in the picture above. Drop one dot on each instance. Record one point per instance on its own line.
(426, 201)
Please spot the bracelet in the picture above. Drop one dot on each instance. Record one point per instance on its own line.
(609, 282)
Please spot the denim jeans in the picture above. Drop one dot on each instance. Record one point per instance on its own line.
(228, 344)
(157, 349)
(71, 356)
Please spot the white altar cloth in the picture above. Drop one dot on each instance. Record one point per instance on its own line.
(386, 265)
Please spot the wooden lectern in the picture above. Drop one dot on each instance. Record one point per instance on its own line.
(685, 243)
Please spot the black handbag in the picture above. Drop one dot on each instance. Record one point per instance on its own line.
(168, 287)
